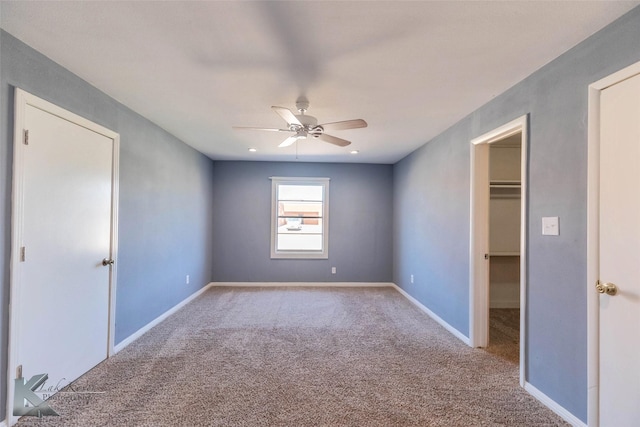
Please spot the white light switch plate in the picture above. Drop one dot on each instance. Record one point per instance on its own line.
(550, 226)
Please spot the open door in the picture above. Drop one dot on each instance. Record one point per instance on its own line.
(479, 250)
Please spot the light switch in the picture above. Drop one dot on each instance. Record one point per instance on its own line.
(550, 226)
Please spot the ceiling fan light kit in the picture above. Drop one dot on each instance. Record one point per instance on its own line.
(303, 126)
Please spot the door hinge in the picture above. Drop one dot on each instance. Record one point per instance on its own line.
(486, 256)
(26, 137)
(19, 372)
(23, 254)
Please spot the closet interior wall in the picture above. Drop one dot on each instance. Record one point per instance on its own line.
(504, 223)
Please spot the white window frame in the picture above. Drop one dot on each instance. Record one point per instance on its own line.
(299, 254)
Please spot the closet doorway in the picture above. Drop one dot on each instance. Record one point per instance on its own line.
(497, 241)
(504, 247)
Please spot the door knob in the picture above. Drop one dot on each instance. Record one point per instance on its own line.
(606, 288)
(106, 262)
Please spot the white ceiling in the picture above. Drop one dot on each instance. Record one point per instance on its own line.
(410, 69)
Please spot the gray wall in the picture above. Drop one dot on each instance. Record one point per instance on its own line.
(360, 215)
(165, 195)
(431, 210)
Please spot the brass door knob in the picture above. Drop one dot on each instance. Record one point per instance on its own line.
(606, 288)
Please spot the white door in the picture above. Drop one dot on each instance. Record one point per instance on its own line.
(620, 254)
(62, 318)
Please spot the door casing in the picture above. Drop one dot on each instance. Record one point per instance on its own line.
(22, 99)
(593, 237)
(479, 235)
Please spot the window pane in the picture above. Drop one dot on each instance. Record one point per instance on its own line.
(300, 226)
(300, 192)
(300, 209)
(299, 242)
(298, 223)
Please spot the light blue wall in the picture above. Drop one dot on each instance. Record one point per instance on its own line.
(182, 214)
(165, 195)
(360, 215)
(431, 207)
(431, 227)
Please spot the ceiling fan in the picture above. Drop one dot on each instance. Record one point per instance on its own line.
(304, 126)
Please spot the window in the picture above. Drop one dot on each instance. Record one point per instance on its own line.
(299, 217)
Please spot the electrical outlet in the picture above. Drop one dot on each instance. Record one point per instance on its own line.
(187, 279)
(333, 270)
(412, 278)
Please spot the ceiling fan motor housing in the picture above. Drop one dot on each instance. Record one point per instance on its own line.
(309, 125)
(304, 126)
(302, 104)
(307, 121)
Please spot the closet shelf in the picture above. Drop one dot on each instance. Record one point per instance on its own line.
(504, 183)
(496, 254)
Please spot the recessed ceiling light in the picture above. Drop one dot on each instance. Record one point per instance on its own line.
(354, 152)
(253, 150)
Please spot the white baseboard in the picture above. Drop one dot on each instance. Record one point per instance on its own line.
(434, 316)
(131, 338)
(554, 406)
(306, 284)
(543, 398)
(3, 423)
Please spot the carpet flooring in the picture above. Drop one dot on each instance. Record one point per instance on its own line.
(504, 333)
(299, 357)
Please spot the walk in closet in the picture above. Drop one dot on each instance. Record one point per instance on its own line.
(504, 223)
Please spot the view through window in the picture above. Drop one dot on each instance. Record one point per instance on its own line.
(299, 217)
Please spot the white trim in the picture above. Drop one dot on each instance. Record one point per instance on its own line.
(478, 247)
(22, 99)
(137, 334)
(554, 406)
(434, 316)
(311, 179)
(303, 284)
(113, 280)
(3, 423)
(300, 254)
(504, 131)
(524, 223)
(617, 77)
(593, 259)
(479, 234)
(593, 238)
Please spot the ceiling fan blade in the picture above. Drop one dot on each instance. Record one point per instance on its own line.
(287, 142)
(287, 115)
(333, 140)
(253, 128)
(346, 124)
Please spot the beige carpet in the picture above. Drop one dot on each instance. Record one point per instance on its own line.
(504, 333)
(299, 357)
